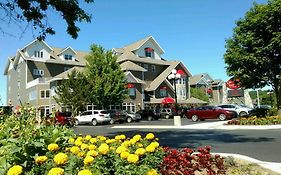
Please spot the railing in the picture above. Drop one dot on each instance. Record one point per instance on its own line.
(36, 82)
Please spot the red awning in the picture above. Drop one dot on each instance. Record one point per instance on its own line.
(149, 49)
(181, 72)
(163, 87)
(168, 100)
(209, 91)
(233, 84)
(130, 85)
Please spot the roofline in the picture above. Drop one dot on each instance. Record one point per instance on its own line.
(36, 41)
(148, 38)
(66, 49)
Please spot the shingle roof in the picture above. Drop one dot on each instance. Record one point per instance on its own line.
(64, 75)
(137, 44)
(128, 65)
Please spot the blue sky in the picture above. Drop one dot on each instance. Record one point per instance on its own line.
(192, 31)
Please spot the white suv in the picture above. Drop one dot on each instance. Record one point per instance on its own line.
(240, 110)
(94, 117)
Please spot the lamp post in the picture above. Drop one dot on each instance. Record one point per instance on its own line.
(174, 76)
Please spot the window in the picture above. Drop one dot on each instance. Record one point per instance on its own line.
(45, 93)
(44, 110)
(163, 92)
(38, 72)
(132, 91)
(145, 66)
(67, 57)
(38, 54)
(153, 68)
(130, 107)
(149, 52)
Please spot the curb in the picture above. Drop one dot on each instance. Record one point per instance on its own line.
(273, 166)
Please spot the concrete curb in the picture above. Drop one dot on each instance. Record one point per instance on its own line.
(273, 166)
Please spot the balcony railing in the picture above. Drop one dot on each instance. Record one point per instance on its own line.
(37, 81)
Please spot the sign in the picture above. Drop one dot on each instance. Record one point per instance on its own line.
(233, 83)
(235, 93)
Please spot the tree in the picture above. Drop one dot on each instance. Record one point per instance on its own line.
(34, 12)
(73, 92)
(253, 53)
(199, 93)
(107, 80)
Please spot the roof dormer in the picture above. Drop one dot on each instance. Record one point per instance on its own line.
(38, 50)
(67, 54)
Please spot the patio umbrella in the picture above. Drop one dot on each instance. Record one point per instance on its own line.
(168, 100)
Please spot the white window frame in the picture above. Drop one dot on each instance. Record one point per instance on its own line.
(130, 107)
(38, 72)
(153, 68)
(68, 57)
(44, 94)
(38, 54)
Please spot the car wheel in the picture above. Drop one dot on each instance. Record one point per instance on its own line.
(76, 122)
(242, 114)
(111, 121)
(167, 116)
(194, 118)
(129, 120)
(222, 117)
(149, 118)
(94, 122)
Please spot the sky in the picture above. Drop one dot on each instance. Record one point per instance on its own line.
(191, 31)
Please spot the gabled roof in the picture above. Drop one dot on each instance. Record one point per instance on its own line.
(158, 80)
(136, 45)
(128, 65)
(36, 41)
(66, 49)
(197, 78)
(127, 74)
(10, 61)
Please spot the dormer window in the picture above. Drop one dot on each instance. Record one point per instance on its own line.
(38, 54)
(149, 52)
(68, 57)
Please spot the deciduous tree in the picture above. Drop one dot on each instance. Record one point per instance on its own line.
(34, 13)
(253, 53)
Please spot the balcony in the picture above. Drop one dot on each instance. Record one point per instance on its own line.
(37, 81)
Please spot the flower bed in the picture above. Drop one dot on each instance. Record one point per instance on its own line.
(27, 148)
(271, 120)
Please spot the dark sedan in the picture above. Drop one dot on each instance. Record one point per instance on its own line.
(209, 112)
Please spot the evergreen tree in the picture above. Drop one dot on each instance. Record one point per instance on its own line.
(105, 77)
(73, 92)
(199, 93)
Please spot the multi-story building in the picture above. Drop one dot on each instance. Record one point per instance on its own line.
(37, 69)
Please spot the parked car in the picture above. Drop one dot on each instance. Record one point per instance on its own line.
(117, 116)
(148, 114)
(182, 111)
(209, 112)
(94, 117)
(240, 110)
(64, 118)
(167, 113)
(260, 111)
(132, 117)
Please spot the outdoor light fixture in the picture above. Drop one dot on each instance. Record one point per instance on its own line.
(174, 76)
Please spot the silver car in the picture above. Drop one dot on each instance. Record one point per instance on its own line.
(133, 117)
(94, 117)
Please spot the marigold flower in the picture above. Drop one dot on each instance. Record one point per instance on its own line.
(92, 147)
(140, 151)
(92, 153)
(85, 172)
(150, 148)
(71, 140)
(103, 148)
(93, 140)
(53, 147)
(41, 159)
(120, 137)
(121, 149)
(124, 154)
(15, 170)
(88, 160)
(152, 172)
(88, 137)
(75, 150)
(56, 171)
(84, 146)
(78, 142)
(155, 144)
(60, 159)
(137, 137)
(81, 154)
(149, 136)
(133, 158)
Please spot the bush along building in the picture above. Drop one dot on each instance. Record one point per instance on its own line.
(37, 69)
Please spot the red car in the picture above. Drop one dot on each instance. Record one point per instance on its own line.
(61, 118)
(209, 112)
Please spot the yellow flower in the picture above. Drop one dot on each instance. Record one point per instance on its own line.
(78, 142)
(155, 144)
(133, 158)
(81, 154)
(103, 148)
(150, 148)
(140, 151)
(121, 149)
(92, 153)
(93, 140)
(84, 146)
(15, 170)
(74, 150)
(110, 141)
(140, 145)
(88, 137)
(71, 140)
(124, 155)
(149, 136)
(137, 137)
(41, 159)
(92, 147)
(88, 160)
(152, 172)
(85, 172)
(126, 143)
(53, 147)
(60, 159)
(120, 137)
(101, 138)
(56, 171)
